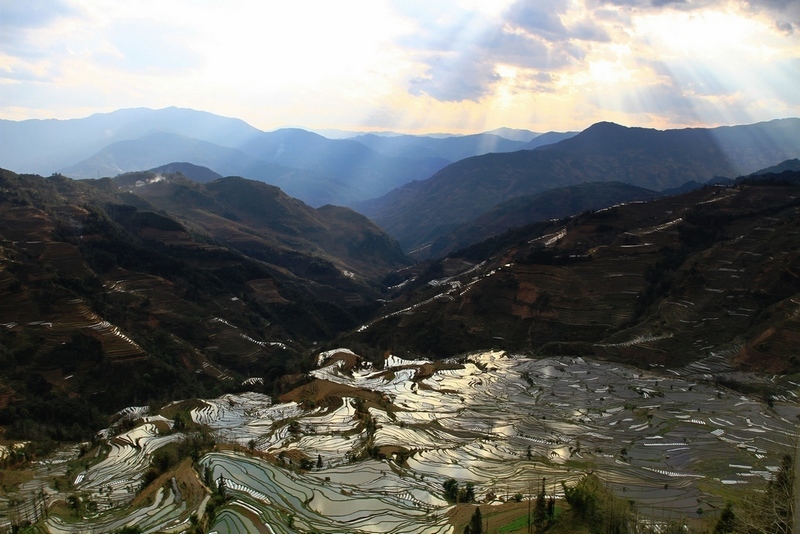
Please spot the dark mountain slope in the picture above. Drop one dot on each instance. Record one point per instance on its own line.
(196, 173)
(419, 212)
(521, 211)
(261, 220)
(107, 300)
(788, 165)
(711, 276)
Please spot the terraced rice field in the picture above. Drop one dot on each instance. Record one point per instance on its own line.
(666, 439)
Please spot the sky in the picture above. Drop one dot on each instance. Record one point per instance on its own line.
(412, 66)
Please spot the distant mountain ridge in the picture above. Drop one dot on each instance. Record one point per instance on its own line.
(155, 149)
(308, 166)
(447, 148)
(419, 212)
(46, 146)
(733, 150)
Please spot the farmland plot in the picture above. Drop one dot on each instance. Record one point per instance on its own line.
(665, 439)
(503, 423)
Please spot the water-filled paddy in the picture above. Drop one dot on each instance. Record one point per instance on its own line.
(668, 440)
(504, 423)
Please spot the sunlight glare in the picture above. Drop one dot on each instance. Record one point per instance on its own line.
(699, 34)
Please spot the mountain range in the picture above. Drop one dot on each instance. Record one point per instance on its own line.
(419, 212)
(419, 189)
(306, 165)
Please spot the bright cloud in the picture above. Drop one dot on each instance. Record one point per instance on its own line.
(413, 65)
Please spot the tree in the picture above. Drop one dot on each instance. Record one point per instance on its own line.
(450, 490)
(476, 523)
(540, 511)
(772, 511)
(178, 422)
(594, 505)
(319, 461)
(726, 522)
(76, 504)
(467, 494)
(208, 476)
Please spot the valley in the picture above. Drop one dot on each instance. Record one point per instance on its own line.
(214, 355)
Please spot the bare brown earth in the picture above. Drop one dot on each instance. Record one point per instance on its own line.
(495, 516)
(192, 490)
(327, 393)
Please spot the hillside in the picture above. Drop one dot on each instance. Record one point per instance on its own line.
(419, 212)
(108, 300)
(196, 173)
(257, 218)
(788, 165)
(709, 276)
(521, 211)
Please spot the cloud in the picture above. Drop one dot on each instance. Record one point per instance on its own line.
(545, 20)
(524, 51)
(461, 56)
(450, 64)
(455, 81)
(542, 19)
(31, 14)
(665, 101)
(146, 45)
(784, 13)
(20, 22)
(661, 3)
